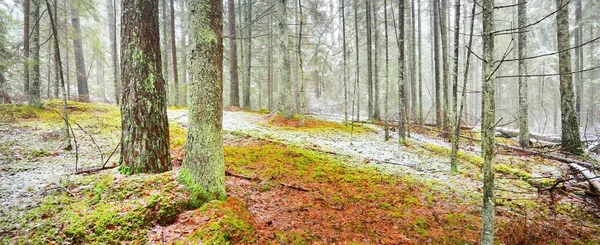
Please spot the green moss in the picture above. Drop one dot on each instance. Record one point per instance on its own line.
(508, 170)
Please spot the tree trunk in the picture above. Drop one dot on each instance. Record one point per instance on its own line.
(62, 80)
(56, 67)
(436, 57)
(82, 83)
(571, 140)
(413, 61)
(345, 58)
(203, 165)
(165, 48)
(145, 128)
(26, 33)
(174, 56)
(578, 58)
(369, 60)
(376, 112)
(234, 92)
(34, 89)
(387, 73)
(248, 72)
(446, 66)
(401, 82)
(112, 32)
(357, 83)
(488, 124)
(299, 50)
(523, 93)
(285, 90)
(455, 119)
(183, 55)
(270, 88)
(420, 68)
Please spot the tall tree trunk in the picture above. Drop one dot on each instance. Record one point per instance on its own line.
(413, 61)
(285, 90)
(145, 128)
(82, 83)
(455, 119)
(34, 89)
(112, 32)
(523, 93)
(357, 83)
(345, 58)
(56, 67)
(446, 66)
(26, 33)
(488, 124)
(203, 165)
(401, 82)
(174, 56)
(270, 87)
(299, 50)
(369, 60)
(165, 47)
(571, 140)
(60, 72)
(436, 57)
(234, 87)
(578, 59)
(67, 52)
(387, 73)
(420, 71)
(248, 72)
(376, 112)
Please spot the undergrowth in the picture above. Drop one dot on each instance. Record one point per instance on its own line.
(312, 124)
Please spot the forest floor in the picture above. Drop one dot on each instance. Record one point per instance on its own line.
(322, 183)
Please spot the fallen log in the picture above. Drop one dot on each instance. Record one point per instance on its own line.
(94, 170)
(589, 176)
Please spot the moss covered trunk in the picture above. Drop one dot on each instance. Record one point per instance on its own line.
(145, 132)
(571, 140)
(203, 165)
(83, 92)
(34, 88)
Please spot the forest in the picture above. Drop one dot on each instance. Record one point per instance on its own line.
(299, 122)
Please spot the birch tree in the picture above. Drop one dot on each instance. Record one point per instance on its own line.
(523, 93)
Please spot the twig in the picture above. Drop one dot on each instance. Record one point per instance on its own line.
(93, 141)
(229, 173)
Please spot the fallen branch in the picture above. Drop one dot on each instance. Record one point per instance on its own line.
(591, 177)
(94, 170)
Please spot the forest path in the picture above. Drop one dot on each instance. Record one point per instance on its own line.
(367, 148)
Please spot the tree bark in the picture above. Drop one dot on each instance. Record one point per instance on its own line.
(376, 111)
(270, 87)
(369, 60)
(436, 57)
(145, 128)
(285, 90)
(345, 58)
(203, 165)
(413, 61)
(165, 47)
(183, 55)
(401, 82)
(82, 83)
(523, 90)
(578, 58)
(357, 83)
(571, 140)
(34, 88)
(174, 56)
(446, 67)
(234, 89)
(455, 119)
(387, 74)
(420, 68)
(488, 124)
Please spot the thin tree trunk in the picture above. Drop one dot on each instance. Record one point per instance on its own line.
(62, 80)
(357, 84)
(578, 59)
(401, 82)
(571, 140)
(165, 47)
(174, 56)
(26, 33)
(446, 66)
(112, 32)
(455, 114)
(67, 60)
(34, 88)
(183, 54)
(387, 74)
(376, 112)
(203, 165)
(144, 124)
(523, 93)
(234, 87)
(413, 61)
(420, 71)
(285, 90)
(369, 60)
(299, 50)
(488, 124)
(270, 87)
(248, 73)
(82, 83)
(343, 10)
(436, 50)
(56, 67)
